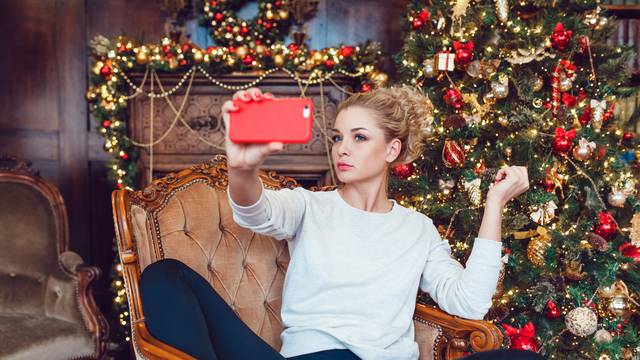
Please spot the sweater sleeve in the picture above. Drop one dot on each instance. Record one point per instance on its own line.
(277, 213)
(465, 292)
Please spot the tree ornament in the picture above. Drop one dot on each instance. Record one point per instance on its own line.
(464, 52)
(445, 61)
(278, 60)
(553, 180)
(631, 251)
(142, 57)
(416, 23)
(484, 69)
(605, 225)
(563, 73)
(453, 97)
(581, 321)
(106, 71)
(602, 336)
(502, 10)
(538, 83)
(473, 191)
(616, 300)
(452, 154)
(594, 18)
(544, 213)
(537, 247)
(403, 171)
(500, 88)
(428, 68)
(446, 187)
(366, 87)
(552, 310)
(379, 78)
(598, 109)
(584, 149)
(573, 270)
(597, 242)
(524, 338)
(560, 37)
(347, 51)
(562, 140)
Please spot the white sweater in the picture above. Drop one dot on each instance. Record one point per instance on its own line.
(353, 275)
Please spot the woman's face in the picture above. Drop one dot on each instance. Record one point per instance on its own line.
(360, 143)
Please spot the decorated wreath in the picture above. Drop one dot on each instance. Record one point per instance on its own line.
(270, 25)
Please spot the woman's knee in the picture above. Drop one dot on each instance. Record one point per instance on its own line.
(162, 270)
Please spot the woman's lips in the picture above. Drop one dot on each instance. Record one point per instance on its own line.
(344, 167)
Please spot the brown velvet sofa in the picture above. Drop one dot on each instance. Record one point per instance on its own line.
(186, 216)
(46, 304)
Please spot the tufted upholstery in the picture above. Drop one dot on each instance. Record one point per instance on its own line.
(46, 308)
(186, 216)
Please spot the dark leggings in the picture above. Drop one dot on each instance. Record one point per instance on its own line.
(184, 311)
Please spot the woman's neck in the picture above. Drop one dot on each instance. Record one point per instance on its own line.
(368, 197)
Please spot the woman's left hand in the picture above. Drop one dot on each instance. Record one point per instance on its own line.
(509, 183)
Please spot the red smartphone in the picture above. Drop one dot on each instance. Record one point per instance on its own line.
(287, 120)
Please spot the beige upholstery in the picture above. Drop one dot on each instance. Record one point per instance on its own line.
(44, 311)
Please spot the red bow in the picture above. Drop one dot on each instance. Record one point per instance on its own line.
(568, 100)
(458, 45)
(567, 65)
(528, 330)
(631, 251)
(561, 133)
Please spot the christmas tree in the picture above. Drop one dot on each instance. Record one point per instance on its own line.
(533, 83)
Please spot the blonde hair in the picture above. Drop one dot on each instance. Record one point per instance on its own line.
(403, 112)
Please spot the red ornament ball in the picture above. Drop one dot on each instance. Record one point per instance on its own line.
(403, 171)
(605, 226)
(347, 51)
(627, 136)
(452, 154)
(218, 16)
(519, 342)
(424, 15)
(247, 60)
(106, 123)
(562, 145)
(329, 64)
(453, 97)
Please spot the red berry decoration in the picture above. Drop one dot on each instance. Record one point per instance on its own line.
(347, 51)
(105, 71)
(464, 52)
(552, 310)
(329, 64)
(106, 123)
(453, 97)
(247, 60)
(366, 87)
(416, 23)
(606, 225)
(424, 15)
(560, 37)
(522, 339)
(562, 143)
(403, 171)
(218, 16)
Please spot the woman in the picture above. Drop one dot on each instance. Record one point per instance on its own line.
(357, 257)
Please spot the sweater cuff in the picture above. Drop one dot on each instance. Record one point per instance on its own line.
(250, 210)
(486, 252)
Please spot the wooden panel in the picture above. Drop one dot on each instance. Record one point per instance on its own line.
(28, 90)
(139, 19)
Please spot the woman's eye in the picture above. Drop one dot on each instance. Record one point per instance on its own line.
(362, 137)
(334, 138)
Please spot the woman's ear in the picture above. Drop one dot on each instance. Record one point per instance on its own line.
(393, 150)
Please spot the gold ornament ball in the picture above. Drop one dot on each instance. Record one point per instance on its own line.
(581, 321)
(142, 57)
(429, 68)
(429, 131)
(173, 63)
(602, 336)
(198, 56)
(318, 57)
(242, 51)
(617, 198)
(538, 83)
(380, 78)
(536, 250)
(503, 120)
(260, 49)
(565, 84)
(489, 98)
(278, 59)
(508, 151)
(269, 14)
(284, 14)
(619, 306)
(582, 153)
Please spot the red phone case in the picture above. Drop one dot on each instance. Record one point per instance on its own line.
(287, 120)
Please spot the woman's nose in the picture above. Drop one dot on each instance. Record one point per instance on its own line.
(343, 148)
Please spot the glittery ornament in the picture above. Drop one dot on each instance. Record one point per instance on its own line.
(552, 310)
(473, 191)
(502, 10)
(452, 154)
(428, 68)
(522, 339)
(634, 235)
(605, 225)
(602, 336)
(544, 213)
(560, 37)
(584, 149)
(403, 171)
(581, 321)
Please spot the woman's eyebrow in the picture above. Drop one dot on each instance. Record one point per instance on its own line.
(352, 130)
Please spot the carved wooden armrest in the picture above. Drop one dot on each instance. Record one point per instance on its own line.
(85, 276)
(461, 334)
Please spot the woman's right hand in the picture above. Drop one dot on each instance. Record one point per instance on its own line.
(246, 156)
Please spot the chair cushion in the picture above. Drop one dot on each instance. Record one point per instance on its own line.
(40, 337)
